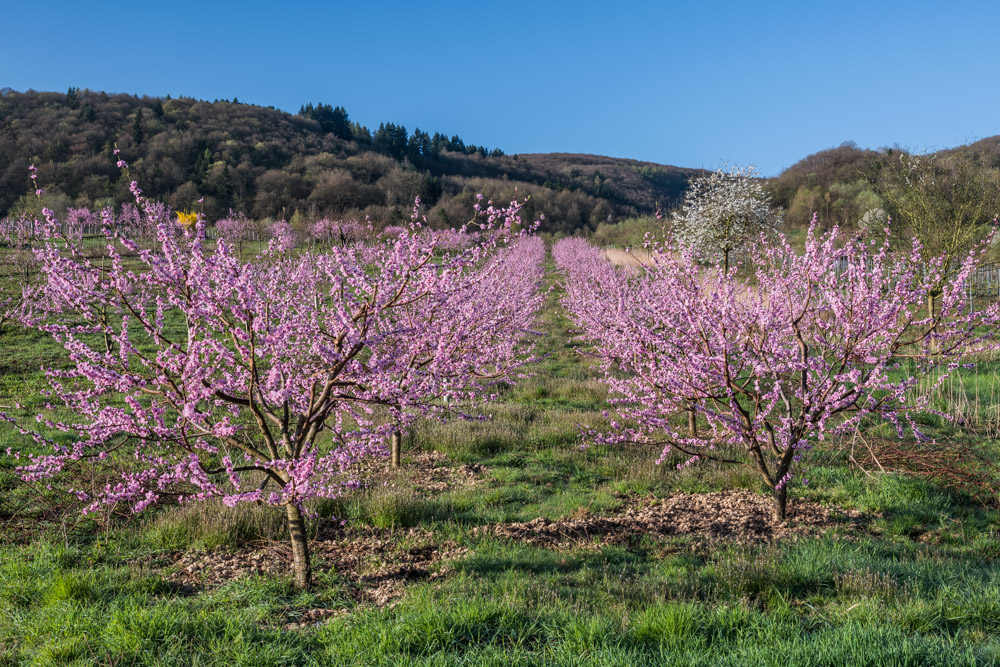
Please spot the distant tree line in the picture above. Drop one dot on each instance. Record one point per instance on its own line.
(272, 164)
(391, 137)
(946, 199)
(835, 185)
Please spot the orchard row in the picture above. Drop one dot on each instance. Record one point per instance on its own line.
(264, 380)
(809, 345)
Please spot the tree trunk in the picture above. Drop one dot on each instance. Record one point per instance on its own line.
(931, 308)
(300, 547)
(107, 337)
(780, 501)
(397, 441)
(692, 423)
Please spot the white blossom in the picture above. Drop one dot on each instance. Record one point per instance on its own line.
(723, 212)
(874, 221)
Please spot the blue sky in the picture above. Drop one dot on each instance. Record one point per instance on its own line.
(691, 84)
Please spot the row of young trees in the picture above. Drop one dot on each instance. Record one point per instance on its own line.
(263, 380)
(754, 369)
(766, 350)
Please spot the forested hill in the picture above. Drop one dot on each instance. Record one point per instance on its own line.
(839, 184)
(270, 163)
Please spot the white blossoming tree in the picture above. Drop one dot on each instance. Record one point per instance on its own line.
(723, 212)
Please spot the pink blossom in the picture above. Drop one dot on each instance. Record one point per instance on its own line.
(276, 354)
(770, 366)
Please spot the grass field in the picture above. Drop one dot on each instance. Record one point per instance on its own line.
(920, 586)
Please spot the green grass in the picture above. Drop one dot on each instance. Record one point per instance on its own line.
(922, 589)
(812, 602)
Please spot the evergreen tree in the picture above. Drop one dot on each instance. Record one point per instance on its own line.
(137, 134)
(340, 124)
(331, 119)
(393, 138)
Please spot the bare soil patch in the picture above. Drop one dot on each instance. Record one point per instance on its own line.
(375, 564)
(739, 516)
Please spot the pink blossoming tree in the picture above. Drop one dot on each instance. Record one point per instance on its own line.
(473, 335)
(327, 231)
(259, 381)
(237, 230)
(772, 366)
(18, 264)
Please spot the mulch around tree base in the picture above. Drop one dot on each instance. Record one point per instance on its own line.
(738, 516)
(377, 565)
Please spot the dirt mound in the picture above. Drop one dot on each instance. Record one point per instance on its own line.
(732, 516)
(376, 564)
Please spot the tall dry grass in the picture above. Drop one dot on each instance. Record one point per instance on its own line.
(632, 257)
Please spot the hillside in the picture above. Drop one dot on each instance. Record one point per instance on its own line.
(835, 184)
(840, 184)
(985, 151)
(270, 163)
(628, 182)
